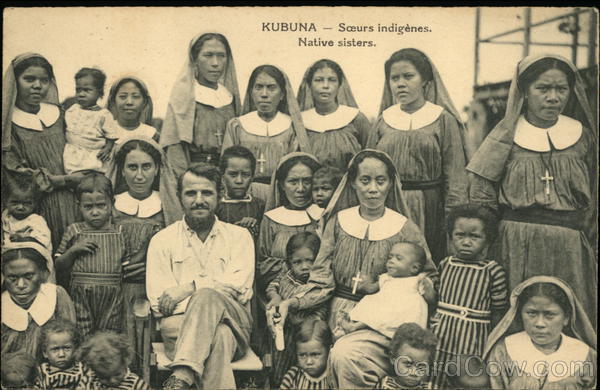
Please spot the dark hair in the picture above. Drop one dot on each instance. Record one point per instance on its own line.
(197, 46)
(201, 170)
(272, 71)
(18, 362)
(115, 340)
(548, 290)
(33, 61)
(415, 57)
(24, 185)
(332, 173)
(534, 71)
(419, 252)
(136, 144)
(96, 74)
(25, 253)
(95, 182)
(137, 84)
(302, 240)
(313, 329)
(412, 334)
(285, 168)
(353, 168)
(321, 64)
(236, 151)
(475, 211)
(59, 326)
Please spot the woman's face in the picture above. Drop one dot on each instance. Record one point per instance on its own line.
(547, 97)
(324, 86)
(297, 186)
(32, 87)
(139, 171)
(266, 94)
(406, 83)
(130, 102)
(22, 278)
(211, 62)
(372, 183)
(543, 320)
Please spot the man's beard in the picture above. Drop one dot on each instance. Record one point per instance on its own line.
(199, 223)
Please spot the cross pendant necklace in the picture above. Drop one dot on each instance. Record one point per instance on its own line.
(218, 134)
(261, 163)
(547, 178)
(355, 280)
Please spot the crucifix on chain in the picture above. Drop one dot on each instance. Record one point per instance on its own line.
(355, 280)
(547, 179)
(219, 134)
(261, 163)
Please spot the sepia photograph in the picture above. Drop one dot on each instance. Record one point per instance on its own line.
(301, 197)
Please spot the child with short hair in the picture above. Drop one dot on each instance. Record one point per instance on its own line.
(90, 130)
(473, 292)
(313, 340)
(301, 251)
(325, 181)
(108, 355)
(237, 206)
(18, 370)
(400, 283)
(59, 341)
(92, 253)
(411, 351)
(19, 219)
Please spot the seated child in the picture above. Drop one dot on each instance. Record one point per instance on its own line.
(313, 340)
(18, 370)
(399, 284)
(19, 219)
(237, 165)
(411, 351)
(473, 292)
(284, 291)
(59, 341)
(107, 356)
(90, 130)
(325, 181)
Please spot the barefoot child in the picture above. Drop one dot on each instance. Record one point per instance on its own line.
(90, 132)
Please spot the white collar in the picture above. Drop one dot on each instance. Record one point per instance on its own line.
(254, 124)
(336, 120)
(288, 217)
(565, 132)
(46, 116)
(380, 229)
(41, 310)
(216, 98)
(144, 208)
(521, 349)
(398, 119)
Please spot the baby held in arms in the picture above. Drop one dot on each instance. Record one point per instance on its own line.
(396, 298)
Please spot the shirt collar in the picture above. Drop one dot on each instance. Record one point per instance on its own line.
(385, 227)
(336, 120)
(254, 124)
(46, 116)
(398, 119)
(247, 199)
(41, 310)
(216, 98)
(565, 132)
(289, 217)
(144, 208)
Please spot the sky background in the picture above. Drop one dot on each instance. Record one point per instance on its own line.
(152, 43)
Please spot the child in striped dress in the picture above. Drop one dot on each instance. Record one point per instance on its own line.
(313, 339)
(60, 338)
(473, 291)
(108, 355)
(92, 252)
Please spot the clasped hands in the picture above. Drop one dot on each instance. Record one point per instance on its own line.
(173, 295)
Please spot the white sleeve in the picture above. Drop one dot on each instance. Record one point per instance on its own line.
(159, 276)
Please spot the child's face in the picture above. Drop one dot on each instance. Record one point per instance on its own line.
(237, 177)
(468, 238)
(312, 357)
(20, 205)
(402, 261)
(86, 91)
(301, 262)
(95, 208)
(59, 350)
(322, 191)
(107, 363)
(411, 365)
(14, 380)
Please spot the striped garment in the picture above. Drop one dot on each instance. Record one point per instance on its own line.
(479, 285)
(55, 378)
(130, 382)
(297, 379)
